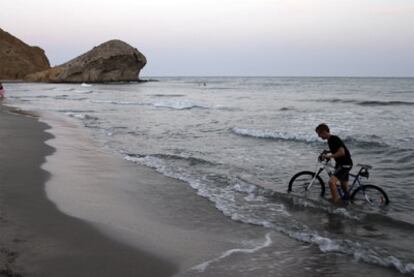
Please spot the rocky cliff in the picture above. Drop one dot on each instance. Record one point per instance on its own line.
(111, 61)
(17, 59)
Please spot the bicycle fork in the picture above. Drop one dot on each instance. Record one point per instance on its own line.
(314, 178)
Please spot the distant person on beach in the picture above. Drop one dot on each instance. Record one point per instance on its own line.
(2, 92)
(343, 161)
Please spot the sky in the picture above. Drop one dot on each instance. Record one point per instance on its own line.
(228, 37)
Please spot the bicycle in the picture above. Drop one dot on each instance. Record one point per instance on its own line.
(311, 185)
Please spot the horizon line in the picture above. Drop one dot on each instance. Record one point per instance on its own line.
(279, 76)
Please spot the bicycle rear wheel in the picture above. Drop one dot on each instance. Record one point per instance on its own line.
(299, 185)
(369, 195)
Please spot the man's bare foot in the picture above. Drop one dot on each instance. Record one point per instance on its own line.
(335, 201)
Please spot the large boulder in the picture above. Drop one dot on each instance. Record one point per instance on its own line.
(17, 59)
(111, 61)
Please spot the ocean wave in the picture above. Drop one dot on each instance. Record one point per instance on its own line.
(180, 104)
(190, 160)
(318, 206)
(168, 95)
(81, 116)
(170, 104)
(83, 91)
(228, 109)
(86, 85)
(126, 103)
(75, 111)
(29, 97)
(276, 135)
(364, 253)
(403, 91)
(367, 102)
(63, 96)
(385, 103)
(370, 141)
(284, 109)
(203, 266)
(251, 204)
(306, 137)
(222, 190)
(219, 88)
(77, 99)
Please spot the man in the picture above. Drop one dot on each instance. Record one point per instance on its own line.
(2, 92)
(343, 161)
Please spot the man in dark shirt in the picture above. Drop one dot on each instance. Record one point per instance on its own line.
(343, 161)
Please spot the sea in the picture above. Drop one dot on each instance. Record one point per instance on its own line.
(237, 141)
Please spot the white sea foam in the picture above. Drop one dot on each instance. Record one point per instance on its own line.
(83, 91)
(117, 102)
(344, 212)
(226, 201)
(80, 116)
(224, 196)
(86, 85)
(358, 251)
(179, 104)
(203, 266)
(308, 137)
(307, 203)
(175, 104)
(271, 134)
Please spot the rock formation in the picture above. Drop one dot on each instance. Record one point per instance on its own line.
(17, 59)
(111, 61)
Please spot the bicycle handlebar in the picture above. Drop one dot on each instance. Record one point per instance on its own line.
(363, 171)
(321, 157)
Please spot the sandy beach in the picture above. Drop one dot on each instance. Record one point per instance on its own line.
(38, 240)
(70, 208)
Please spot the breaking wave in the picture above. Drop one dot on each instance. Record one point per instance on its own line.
(180, 104)
(271, 134)
(305, 137)
(368, 102)
(203, 266)
(168, 103)
(81, 116)
(251, 204)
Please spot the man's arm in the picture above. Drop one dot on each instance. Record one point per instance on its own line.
(337, 154)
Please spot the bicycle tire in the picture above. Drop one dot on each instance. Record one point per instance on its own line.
(299, 182)
(369, 195)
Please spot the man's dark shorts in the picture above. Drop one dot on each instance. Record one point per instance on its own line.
(342, 172)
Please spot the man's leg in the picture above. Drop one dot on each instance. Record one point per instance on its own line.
(344, 186)
(332, 185)
(343, 176)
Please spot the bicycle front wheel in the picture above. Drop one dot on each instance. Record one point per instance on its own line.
(369, 195)
(300, 184)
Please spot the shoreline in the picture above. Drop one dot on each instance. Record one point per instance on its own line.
(133, 204)
(36, 238)
(88, 212)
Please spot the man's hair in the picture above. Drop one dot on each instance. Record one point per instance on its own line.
(322, 127)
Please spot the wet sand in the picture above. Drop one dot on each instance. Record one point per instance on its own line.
(70, 207)
(36, 239)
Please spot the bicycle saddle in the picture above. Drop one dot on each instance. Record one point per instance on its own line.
(365, 166)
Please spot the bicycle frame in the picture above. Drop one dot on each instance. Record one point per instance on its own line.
(326, 166)
(320, 166)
